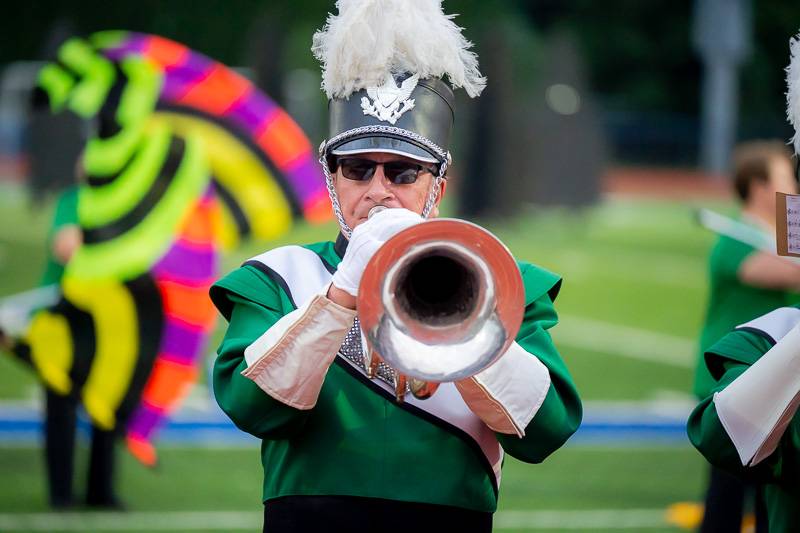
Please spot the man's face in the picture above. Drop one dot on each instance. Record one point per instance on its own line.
(356, 198)
(781, 176)
(761, 195)
(781, 179)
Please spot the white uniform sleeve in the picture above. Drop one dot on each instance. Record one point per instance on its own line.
(758, 405)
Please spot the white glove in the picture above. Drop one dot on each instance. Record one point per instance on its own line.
(366, 239)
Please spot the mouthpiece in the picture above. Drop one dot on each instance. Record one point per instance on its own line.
(375, 210)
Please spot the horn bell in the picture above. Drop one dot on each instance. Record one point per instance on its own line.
(441, 301)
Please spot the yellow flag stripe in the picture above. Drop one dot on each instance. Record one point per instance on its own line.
(116, 325)
(243, 174)
(51, 350)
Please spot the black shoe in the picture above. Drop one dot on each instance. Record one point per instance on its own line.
(106, 504)
(59, 504)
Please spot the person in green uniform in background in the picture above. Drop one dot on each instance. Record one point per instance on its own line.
(60, 420)
(64, 236)
(745, 283)
(60, 424)
(746, 421)
(339, 452)
(747, 425)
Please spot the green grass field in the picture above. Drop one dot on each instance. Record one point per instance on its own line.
(631, 306)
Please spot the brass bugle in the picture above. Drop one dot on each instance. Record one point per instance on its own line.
(439, 302)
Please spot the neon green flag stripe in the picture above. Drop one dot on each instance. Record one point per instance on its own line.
(104, 157)
(107, 156)
(141, 92)
(107, 39)
(57, 82)
(97, 76)
(135, 252)
(101, 205)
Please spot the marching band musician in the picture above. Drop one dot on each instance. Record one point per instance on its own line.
(339, 452)
(745, 282)
(747, 423)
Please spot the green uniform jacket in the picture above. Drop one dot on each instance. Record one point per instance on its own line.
(357, 441)
(730, 302)
(66, 213)
(780, 472)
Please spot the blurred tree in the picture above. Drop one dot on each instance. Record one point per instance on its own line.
(640, 56)
(639, 53)
(566, 143)
(763, 80)
(640, 63)
(217, 28)
(491, 152)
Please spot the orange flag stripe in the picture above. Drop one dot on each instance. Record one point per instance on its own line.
(198, 227)
(164, 52)
(188, 304)
(170, 381)
(283, 140)
(217, 92)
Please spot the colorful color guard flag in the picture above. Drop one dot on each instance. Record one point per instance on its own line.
(187, 158)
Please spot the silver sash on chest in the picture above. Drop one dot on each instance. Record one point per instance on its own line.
(353, 350)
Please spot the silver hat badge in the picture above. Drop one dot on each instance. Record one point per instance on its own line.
(389, 101)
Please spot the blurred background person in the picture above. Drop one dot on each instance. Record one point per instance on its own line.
(135, 245)
(745, 282)
(746, 423)
(54, 144)
(61, 412)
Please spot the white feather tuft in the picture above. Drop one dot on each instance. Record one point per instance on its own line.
(793, 91)
(368, 38)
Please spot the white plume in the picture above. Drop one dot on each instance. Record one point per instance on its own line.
(793, 91)
(369, 38)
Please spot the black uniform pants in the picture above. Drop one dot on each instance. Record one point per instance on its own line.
(59, 437)
(301, 514)
(725, 500)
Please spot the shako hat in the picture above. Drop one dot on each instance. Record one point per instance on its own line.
(384, 64)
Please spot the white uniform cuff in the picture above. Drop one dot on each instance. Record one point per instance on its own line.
(758, 405)
(290, 360)
(508, 394)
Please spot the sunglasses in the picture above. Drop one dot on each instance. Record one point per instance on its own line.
(397, 172)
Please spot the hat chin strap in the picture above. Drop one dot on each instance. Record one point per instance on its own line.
(337, 209)
(436, 184)
(430, 201)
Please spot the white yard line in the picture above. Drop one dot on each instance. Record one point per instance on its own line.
(132, 521)
(624, 341)
(589, 520)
